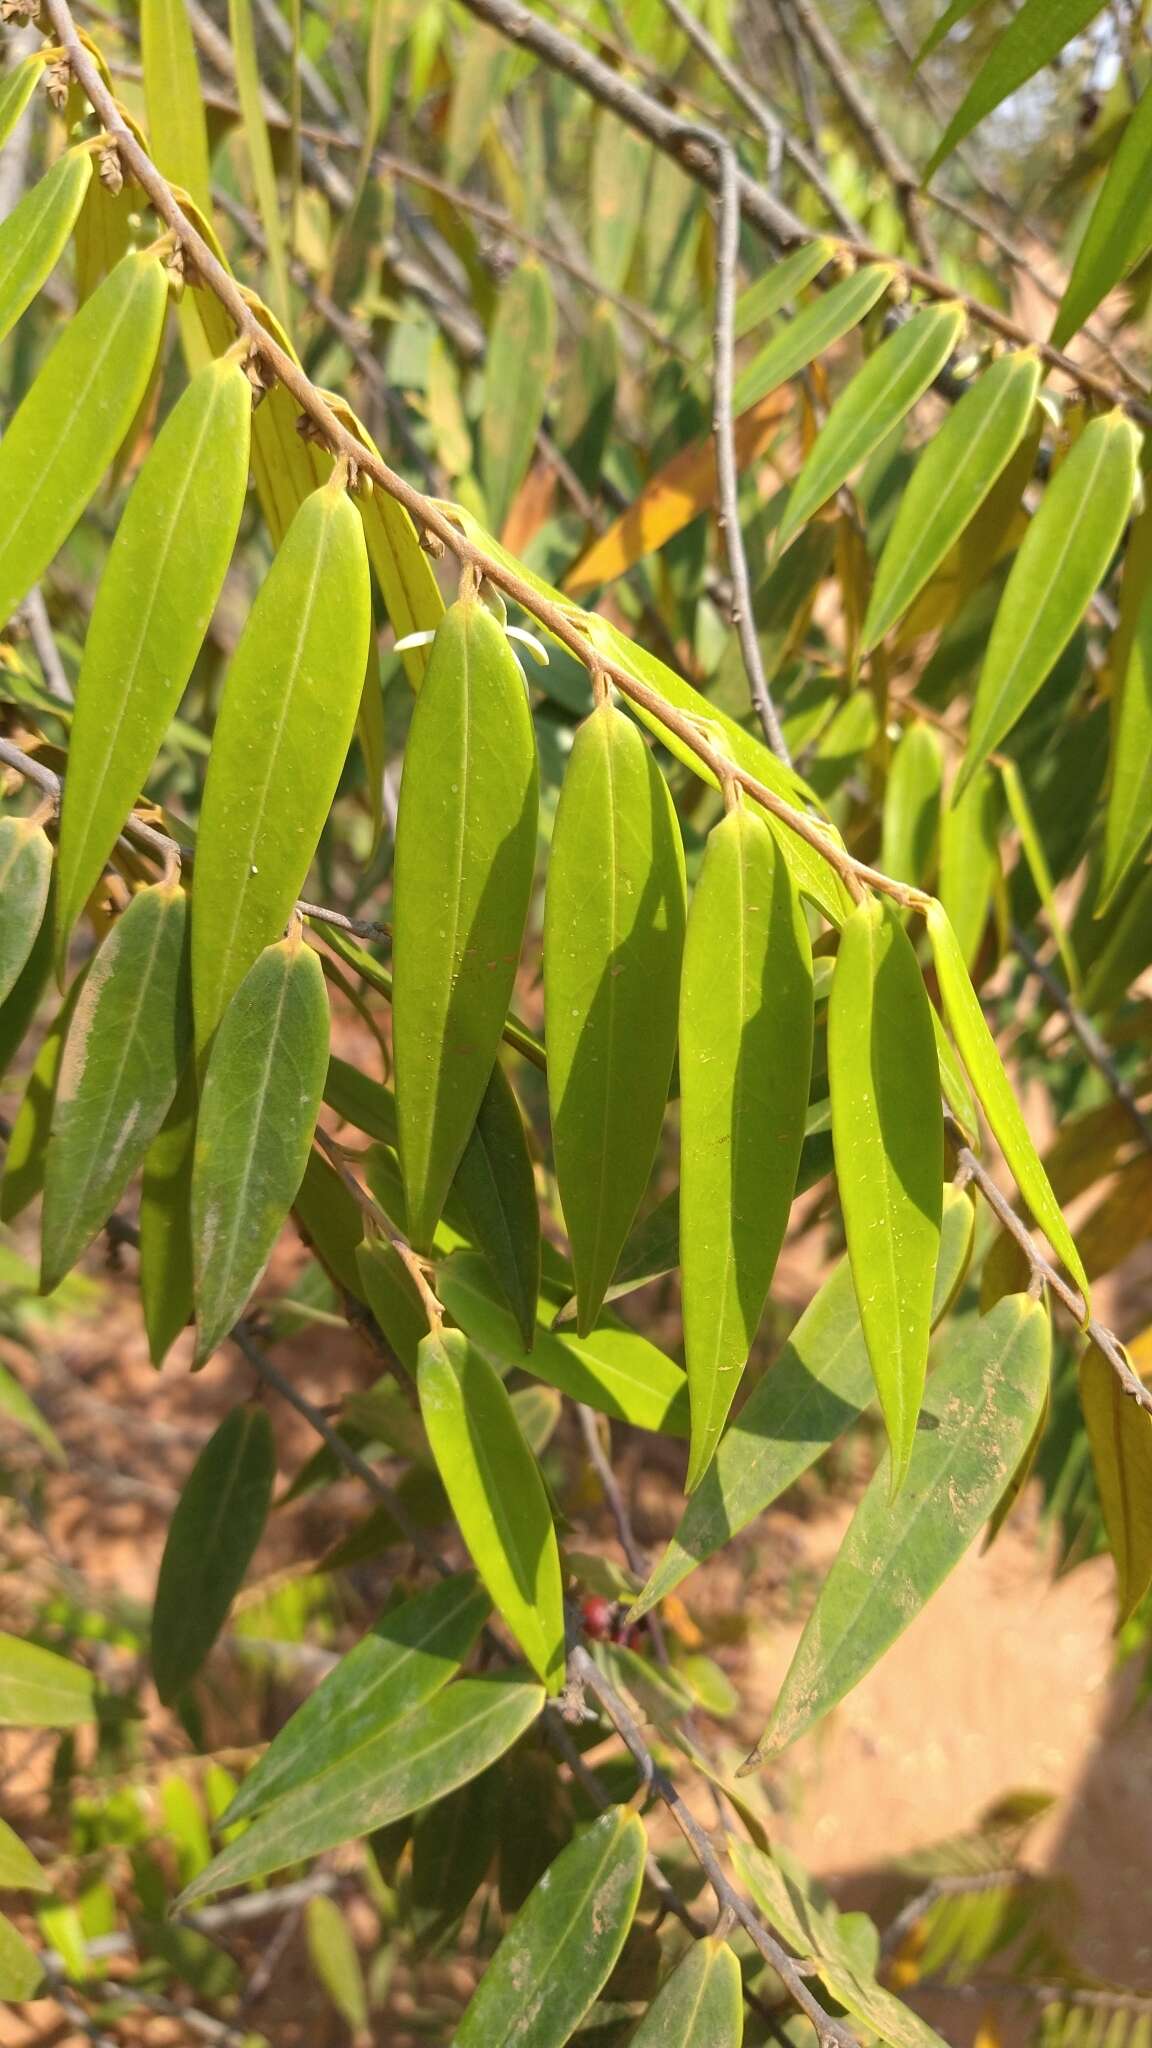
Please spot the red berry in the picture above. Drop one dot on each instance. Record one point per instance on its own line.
(597, 1617)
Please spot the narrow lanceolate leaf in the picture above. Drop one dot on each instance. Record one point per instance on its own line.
(812, 1393)
(1128, 819)
(1062, 560)
(397, 1668)
(516, 376)
(559, 1951)
(981, 1409)
(620, 164)
(1120, 1433)
(949, 484)
(28, 1145)
(25, 876)
(875, 401)
(285, 724)
(218, 1522)
(16, 90)
(780, 283)
(889, 1141)
(977, 1049)
(250, 90)
(1033, 37)
(745, 1065)
(33, 236)
(701, 2005)
(156, 597)
(39, 1689)
(258, 1108)
(444, 1743)
(1036, 861)
(69, 426)
(818, 327)
(172, 92)
(970, 860)
(912, 805)
(497, 1495)
(613, 938)
(165, 1268)
(127, 1043)
(495, 1189)
(465, 851)
(954, 12)
(614, 1369)
(1119, 231)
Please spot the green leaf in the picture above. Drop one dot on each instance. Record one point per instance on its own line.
(465, 852)
(69, 425)
(1128, 818)
(218, 1522)
(970, 860)
(1033, 37)
(172, 91)
(19, 1870)
(17, 89)
(746, 1009)
(871, 405)
(1062, 560)
(700, 2005)
(165, 1270)
(21, 1970)
(1119, 231)
(980, 1412)
(18, 1408)
(25, 877)
(949, 484)
(408, 586)
(889, 1141)
(957, 10)
(619, 165)
(35, 233)
(258, 1108)
(912, 805)
(818, 327)
(613, 936)
(559, 1951)
(394, 1670)
(38, 1689)
(28, 1145)
(977, 1049)
(517, 372)
(20, 1006)
(1036, 861)
(781, 282)
(444, 1743)
(250, 92)
(453, 1844)
(495, 1189)
(127, 1043)
(497, 1495)
(165, 570)
(1120, 1433)
(809, 1396)
(285, 723)
(334, 1956)
(613, 1369)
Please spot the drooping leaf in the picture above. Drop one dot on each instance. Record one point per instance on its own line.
(1128, 818)
(1119, 231)
(25, 877)
(165, 570)
(442, 1744)
(21, 1970)
(981, 1409)
(393, 1671)
(619, 163)
(613, 935)
(38, 1689)
(1120, 1433)
(496, 1189)
(951, 480)
(560, 1949)
(27, 1150)
(700, 2005)
(613, 1369)
(977, 1049)
(518, 368)
(68, 427)
(1033, 37)
(809, 1396)
(497, 1495)
(877, 399)
(1062, 559)
(166, 1284)
(818, 327)
(912, 805)
(465, 852)
(285, 723)
(172, 91)
(746, 1010)
(335, 1958)
(411, 594)
(35, 233)
(128, 1040)
(218, 1522)
(970, 860)
(242, 31)
(258, 1108)
(888, 1135)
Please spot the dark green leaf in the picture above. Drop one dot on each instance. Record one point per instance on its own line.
(27, 1150)
(700, 2005)
(25, 877)
(1119, 231)
(495, 1188)
(1128, 819)
(1033, 37)
(218, 1522)
(166, 1285)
